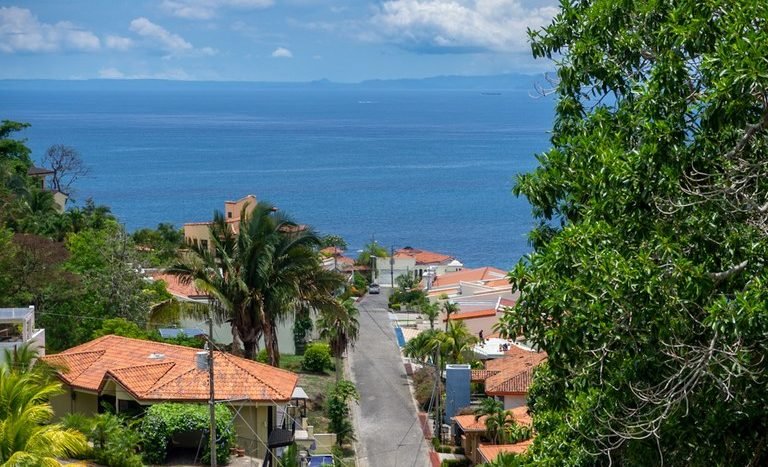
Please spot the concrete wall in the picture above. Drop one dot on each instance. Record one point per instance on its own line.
(474, 325)
(83, 402)
(194, 233)
(511, 402)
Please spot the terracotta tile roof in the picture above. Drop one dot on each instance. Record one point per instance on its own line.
(176, 287)
(489, 452)
(478, 275)
(331, 251)
(522, 416)
(472, 314)
(152, 371)
(468, 423)
(423, 257)
(479, 376)
(514, 372)
(507, 302)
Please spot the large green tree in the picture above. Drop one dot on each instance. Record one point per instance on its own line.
(647, 282)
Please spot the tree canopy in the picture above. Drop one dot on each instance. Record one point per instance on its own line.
(646, 286)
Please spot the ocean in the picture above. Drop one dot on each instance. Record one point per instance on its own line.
(431, 169)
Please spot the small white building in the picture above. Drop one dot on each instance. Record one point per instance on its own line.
(17, 327)
(415, 263)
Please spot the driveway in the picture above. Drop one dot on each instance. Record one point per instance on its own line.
(388, 432)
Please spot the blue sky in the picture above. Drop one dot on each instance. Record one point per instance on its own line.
(268, 40)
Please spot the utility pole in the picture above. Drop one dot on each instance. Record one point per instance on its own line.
(392, 266)
(212, 399)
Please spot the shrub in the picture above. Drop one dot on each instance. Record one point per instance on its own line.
(162, 421)
(456, 463)
(337, 410)
(114, 443)
(424, 386)
(262, 356)
(317, 358)
(458, 450)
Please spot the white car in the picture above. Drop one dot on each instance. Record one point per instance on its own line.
(374, 289)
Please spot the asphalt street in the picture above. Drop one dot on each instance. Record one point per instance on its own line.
(388, 432)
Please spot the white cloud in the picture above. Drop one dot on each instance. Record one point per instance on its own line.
(118, 42)
(21, 31)
(172, 74)
(282, 52)
(207, 9)
(111, 73)
(460, 25)
(166, 40)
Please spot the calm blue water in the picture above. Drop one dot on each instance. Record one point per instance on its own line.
(429, 169)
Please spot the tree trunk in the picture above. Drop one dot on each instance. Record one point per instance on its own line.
(339, 369)
(270, 342)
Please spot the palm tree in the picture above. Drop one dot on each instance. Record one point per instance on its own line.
(339, 325)
(497, 425)
(422, 347)
(431, 311)
(26, 437)
(449, 308)
(259, 275)
(456, 342)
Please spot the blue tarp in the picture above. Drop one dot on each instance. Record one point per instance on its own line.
(400, 337)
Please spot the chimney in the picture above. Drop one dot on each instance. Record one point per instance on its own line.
(201, 360)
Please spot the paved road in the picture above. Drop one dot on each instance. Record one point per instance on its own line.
(389, 434)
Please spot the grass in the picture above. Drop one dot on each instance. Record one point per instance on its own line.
(316, 385)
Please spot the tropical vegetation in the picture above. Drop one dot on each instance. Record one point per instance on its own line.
(338, 324)
(647, 284)
(259, 273)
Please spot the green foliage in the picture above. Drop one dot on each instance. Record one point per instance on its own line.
(407, 293)
(337, 409)
(260, 275)
(262, 356)
(158, 247)
(456, 463)
(162, 421)
(114, 443)
(185, 340)
(26, 435)
(338, 324)
(120, 327)
(333, 240)
(646, 287)
(317, 358)
(424, 386)
(290, 457)
(302, 326)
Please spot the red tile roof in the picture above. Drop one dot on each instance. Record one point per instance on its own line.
(479, 275)
(489, 452)
(472, 314)
(423, 256)
(176, 287)
(514, 372)
(153, 371)
(479, 376)
(470, 423)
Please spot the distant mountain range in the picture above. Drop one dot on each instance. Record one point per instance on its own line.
(510, 81)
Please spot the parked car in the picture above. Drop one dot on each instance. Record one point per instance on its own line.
(374, 289)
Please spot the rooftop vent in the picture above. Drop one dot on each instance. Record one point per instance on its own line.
(156, 356)
(201, 360)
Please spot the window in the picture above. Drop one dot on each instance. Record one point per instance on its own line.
(229, 214)
(204, 244)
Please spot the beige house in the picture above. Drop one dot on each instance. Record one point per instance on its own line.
(131, 374)
(466, 282)
(199, 233)
(471, 433)
(508, 378)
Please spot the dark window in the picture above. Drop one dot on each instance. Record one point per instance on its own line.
(229, 215)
